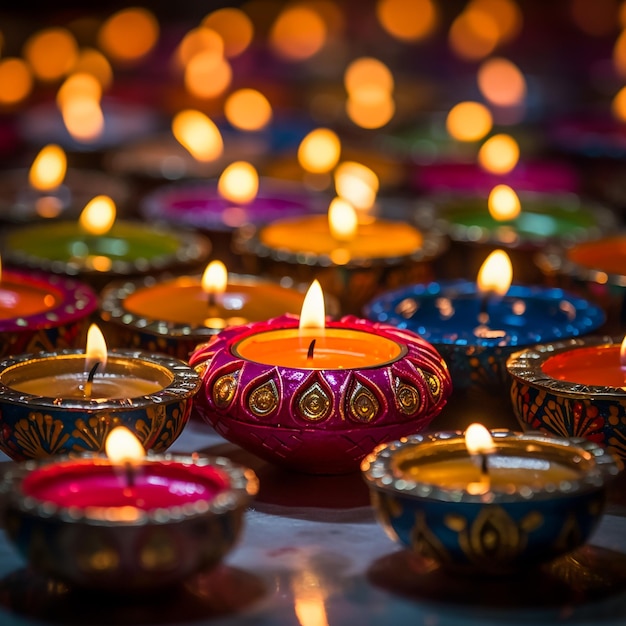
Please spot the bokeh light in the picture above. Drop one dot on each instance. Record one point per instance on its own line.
(319, 151)
(16, 80)
(499, 154)
(407, 20)
(239, 182)
(248, 109)
(234, 27)
(129, 35)
(197, 132)
(51, 53)
(298, 33)
(469, 121)
(501, 82)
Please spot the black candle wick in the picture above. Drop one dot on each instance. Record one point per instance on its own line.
(129, 474)
(211, 300)
(484, 466)
(311, 350)
(90, 377)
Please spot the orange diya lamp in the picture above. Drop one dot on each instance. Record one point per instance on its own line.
(42, 311)
(67, 401)
(175, 315)
(313, 394)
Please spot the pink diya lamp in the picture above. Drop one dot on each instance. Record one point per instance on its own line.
(49, 189)
(42, 311)
(175, 315)
(129, 521)
(316, 395)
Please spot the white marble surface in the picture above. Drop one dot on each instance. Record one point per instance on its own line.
(300, 562)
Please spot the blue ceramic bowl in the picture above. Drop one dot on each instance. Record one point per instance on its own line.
(507, 528)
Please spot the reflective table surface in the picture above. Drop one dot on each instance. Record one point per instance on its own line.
(312, 554)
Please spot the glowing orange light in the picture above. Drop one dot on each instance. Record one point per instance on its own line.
(597, 18)
(96, 349)
(48, 169)
(51, 53)
(234, 27)
(495, 274)
(506, 14)
(79, 85)
(342, 220)
(121, 446)
(501, 82)
(469, 121)
(478, 439)
(93, 62)
(367, 72)
(129, 35)
(474, 34)
(239, 182)
(98, 216)
(83, 117)
(503, 203)
(319, 151)
(313, 313)
(499, 154)
(298, 33)
(215, 278)
(16, 80)
(207, 75)
(622, 353)
(619, 53)
(248, 109)
(372, 108)
(201, 39)
(357, 184)
(198, 134)
(407, 20)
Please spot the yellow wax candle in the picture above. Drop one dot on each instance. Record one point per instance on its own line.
(335, 348)
(183, 301)
(503, 472)
(377, 239)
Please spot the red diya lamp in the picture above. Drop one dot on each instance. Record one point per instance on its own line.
(42, 311)
(125, 522)
(317, 396)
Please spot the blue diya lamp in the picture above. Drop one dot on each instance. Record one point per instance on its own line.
(534, 498)
(474, 334)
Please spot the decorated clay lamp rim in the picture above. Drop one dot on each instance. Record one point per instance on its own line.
(240, 482)
(247, 240)
(527, 366)
(76, 300)
(380, 467)
(112, 304)
(589, 316)
(182, 381)
(192, 247)
(437, 208)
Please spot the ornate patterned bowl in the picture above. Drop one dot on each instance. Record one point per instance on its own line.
(319, 421)
(548, 502)
(125, 549)
(544, 402)
(36, 425)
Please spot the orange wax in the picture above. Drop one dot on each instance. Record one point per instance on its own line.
(335, 348)
(503, 471)
(378, 239)
(605, 255)
(23, 299)
(183, 301)
(598, 365)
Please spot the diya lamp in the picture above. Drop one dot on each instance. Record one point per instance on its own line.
(352, 257)
(50, 190)
(125, 522)
(42, 311)
(574, 387)
(476, 325)
(175, 315)
(98, 248)
(316, 395)
(67, 401)
(489, 503)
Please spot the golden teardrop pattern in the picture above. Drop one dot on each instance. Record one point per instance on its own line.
(363, 406)
(224, 389)
(264, 399)
(314, 403)
(434, 384)
(407, 398)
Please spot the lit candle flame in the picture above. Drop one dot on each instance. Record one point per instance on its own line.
(495, 274)
(239, 183)
(121, 446)
(199, 135)
(96, 350)
(313, 313)
(357, 184)
(342, 220)
(98, 216)
(48, 169)
(622, 353)
(478, 439)
(503, 203)
(215, 278)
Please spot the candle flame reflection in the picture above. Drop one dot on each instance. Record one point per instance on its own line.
(96, 350)
(121, 446)
(342, 220)
(98, 216)
(313, 314)
(496, 273)
(503, 203)
(215, 278)
(48, 169)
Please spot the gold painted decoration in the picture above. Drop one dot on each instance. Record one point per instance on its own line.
(314, 403)
(434, 384)
(40, 435)
(363, 405)
(425, 542)
(158, 552)
(264, 399)
(407, 398)
(95, 553)
(224, 389)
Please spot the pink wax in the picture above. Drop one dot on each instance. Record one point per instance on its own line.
(588, 366)
(98, 483)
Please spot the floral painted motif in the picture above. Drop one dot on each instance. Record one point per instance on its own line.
(40, 435)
